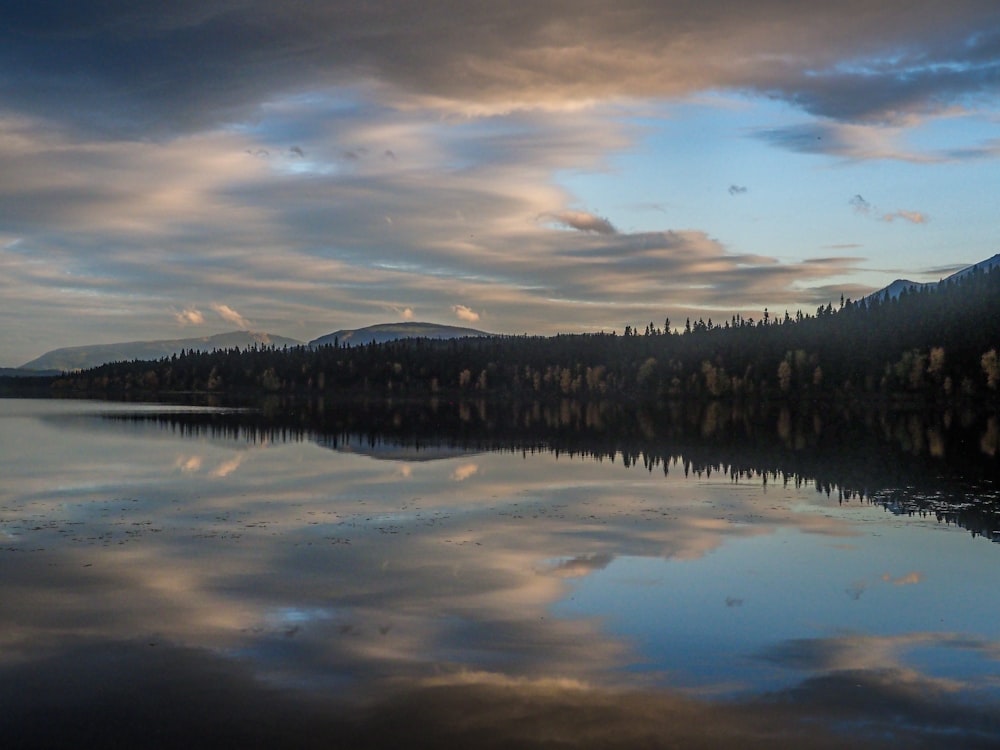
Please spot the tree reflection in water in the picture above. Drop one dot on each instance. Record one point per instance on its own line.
(945, 463)
(161, 588)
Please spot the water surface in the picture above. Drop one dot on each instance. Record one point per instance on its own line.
(179, 575)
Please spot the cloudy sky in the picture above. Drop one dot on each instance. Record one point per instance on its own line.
(187, 168)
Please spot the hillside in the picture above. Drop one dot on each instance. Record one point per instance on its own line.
(19, 372)
(384, 332)
(899, 285)
(83, 357)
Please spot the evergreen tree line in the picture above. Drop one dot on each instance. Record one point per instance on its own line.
(934, 343)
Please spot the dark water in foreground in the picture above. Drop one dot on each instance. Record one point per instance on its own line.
(471, 577)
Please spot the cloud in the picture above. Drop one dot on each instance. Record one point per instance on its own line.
(229, 315)
(737, 190)
(850, 141)
(404, 313)
(676, 264)
(856, 142)
(852, 62)
(299, 247)
(285, 235)
(583, 221)
(465, 313)
(989, 149)
(861, 206)
(845, 140)
(189, 316)
(914, 217)
(909, 579)
(948, 132)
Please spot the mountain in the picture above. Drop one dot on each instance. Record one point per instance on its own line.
(85, 357)
(896, 288)
(18, 372)
(383, 332)
(984, 265)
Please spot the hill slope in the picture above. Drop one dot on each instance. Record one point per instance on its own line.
(383, 332)
(18, 372)
(84, 357)
(896, 288)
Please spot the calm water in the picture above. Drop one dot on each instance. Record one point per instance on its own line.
(177, 576)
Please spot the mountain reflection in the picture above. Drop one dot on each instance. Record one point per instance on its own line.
(940, 463)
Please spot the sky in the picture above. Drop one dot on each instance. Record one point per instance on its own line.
(175, 170)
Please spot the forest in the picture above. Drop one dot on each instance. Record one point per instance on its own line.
(930, 345)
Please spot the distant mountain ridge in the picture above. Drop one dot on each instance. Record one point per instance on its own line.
(383, 332)
(899, 285)
(84, 357)
(17, 372)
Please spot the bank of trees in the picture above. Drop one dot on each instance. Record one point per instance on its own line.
(935, 343)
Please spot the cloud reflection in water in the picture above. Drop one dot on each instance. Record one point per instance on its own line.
(431, 599)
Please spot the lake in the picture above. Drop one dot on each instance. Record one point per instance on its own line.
(466, 575)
